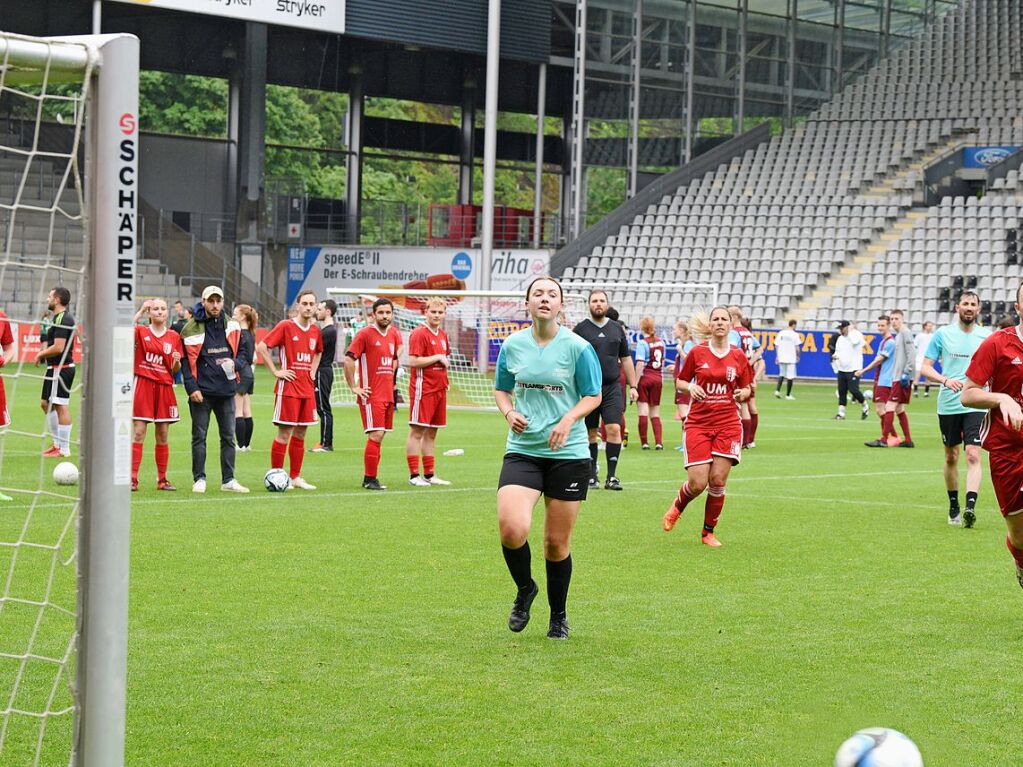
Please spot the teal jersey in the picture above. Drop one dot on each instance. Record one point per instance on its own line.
(954, 349)
(546, 383)
(887, 368)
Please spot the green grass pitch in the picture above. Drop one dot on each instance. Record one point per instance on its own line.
(342, 627)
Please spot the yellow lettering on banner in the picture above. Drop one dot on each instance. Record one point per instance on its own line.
(766, 338)
(809, 344)
(868, 344)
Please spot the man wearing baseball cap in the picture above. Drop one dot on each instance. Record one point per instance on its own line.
(848, 358)
(213, 358)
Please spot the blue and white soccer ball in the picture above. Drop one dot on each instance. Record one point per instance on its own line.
(276, 480)
(868, 394)
(878, 747)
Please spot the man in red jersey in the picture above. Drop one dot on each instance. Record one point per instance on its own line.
(718, 378)
(6, 356)
(998, 365)
(650, 372)
(375, 349)
(428, 350)
(301, 347)
(158, 353)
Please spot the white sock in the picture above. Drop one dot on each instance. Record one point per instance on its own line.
(841, 409)
(52, 424)
(64, 438)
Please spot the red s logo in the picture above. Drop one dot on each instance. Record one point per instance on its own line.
(127, 123)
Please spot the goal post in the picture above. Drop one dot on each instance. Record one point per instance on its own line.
(476, 320)
(90, 82)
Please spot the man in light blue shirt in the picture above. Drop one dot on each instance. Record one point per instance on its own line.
(885, 361)
(953, 346)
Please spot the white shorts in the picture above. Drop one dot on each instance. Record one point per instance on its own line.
(787, 369)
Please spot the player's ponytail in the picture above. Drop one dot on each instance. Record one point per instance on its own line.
(699, 323)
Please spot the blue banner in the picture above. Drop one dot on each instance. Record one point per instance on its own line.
(985, 156)
(814, 358)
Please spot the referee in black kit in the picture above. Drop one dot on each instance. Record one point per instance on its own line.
(612, 347)
(325, 375)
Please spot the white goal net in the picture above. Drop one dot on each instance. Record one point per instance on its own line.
(68, 149)
(470, 315)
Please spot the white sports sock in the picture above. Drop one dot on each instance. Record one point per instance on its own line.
(52, 424)
(841, 409)
(64, 438)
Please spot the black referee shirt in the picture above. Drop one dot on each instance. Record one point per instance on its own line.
(610, 344)
(329, 336)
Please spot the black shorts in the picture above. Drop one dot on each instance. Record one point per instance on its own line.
(959, 428)
(558, 478)
(57, 385)
(247, 382)
(611, 407)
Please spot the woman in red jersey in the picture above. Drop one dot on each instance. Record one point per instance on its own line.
(717, 377)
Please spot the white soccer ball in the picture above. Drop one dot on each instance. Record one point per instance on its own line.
(65, 473)
(868, 394)
(276, 480)
(878, 747)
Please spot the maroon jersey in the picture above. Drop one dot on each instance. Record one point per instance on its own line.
(653, 369)
(426, 343)
(374, 352)
(998, 363)
(747, 342)
(719, 377)
(154, 354)
(298, 347)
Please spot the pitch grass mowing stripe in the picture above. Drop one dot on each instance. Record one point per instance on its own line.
(347, 627)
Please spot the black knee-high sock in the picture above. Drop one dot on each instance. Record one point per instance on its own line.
(788, 387)
(518, 561)
(239, 431)
(614, 450)
(559, 576)
(593, 458)
(971, 499)
(248, 431)
(778, 388)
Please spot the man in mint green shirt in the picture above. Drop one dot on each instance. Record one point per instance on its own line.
(953, 345)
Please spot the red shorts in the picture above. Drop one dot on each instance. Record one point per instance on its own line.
(154, 402)
(294, 411)
(376, 416)
(882, 393)
(1007, 477)
(701, 444)
(901, 395)
(650, 390)
(5, 417)
(428, 409)
(683, 398)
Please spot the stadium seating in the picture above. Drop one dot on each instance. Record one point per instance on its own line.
(819, 224)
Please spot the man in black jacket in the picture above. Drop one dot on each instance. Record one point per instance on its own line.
(213, 357)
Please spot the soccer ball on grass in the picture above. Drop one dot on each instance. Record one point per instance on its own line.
(878, 747)
(276, 480)
(868, 394)
(65, 473)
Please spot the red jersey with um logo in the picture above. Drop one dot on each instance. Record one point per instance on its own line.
(298, 348)
(998, 364)
(374, 353)
(719, 377)
(154, 354)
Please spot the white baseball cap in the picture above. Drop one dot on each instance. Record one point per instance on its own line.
(211, 290)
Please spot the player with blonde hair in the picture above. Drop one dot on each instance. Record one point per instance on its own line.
(428, 350)
(718, 377)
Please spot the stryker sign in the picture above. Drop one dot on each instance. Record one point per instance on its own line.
(321, 15)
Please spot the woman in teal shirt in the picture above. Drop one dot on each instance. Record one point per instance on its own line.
(548, 379)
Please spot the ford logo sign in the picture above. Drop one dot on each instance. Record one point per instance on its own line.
(992, 156)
